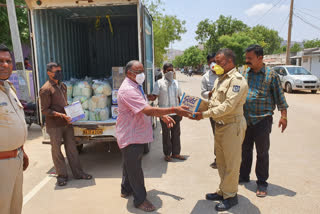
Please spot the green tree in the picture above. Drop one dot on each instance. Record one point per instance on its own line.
(280, 50)
(208, 32)
(314, 43)
(267, 38)
(22, 17)
(166, 28)
(237, 42)
(193, 56)
(295, 48)
(178, 62)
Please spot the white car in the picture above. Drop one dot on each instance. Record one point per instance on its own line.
(297, 78)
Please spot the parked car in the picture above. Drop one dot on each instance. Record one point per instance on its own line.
(297, 78)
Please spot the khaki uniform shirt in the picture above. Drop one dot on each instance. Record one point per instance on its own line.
(53, 99)
(13, 127)
(228, 97)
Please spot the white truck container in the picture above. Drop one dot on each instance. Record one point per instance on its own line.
(68, 32)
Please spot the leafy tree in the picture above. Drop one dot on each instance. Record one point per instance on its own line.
(237, 42)
(193, 56)
(166, 28)
(22, 17)
(314, 43)
(295, 48)
(267, 38)
(178, 62)
(208, 32)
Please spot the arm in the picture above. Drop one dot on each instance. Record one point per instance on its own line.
(204, 88)
(155, 93)
(158, 112)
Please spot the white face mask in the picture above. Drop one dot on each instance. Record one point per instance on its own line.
(140, 78)
(169, 76)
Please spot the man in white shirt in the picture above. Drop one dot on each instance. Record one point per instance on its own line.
(168, 92)
(207, 84)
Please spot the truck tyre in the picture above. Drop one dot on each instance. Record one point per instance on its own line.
(80, 148)
(314, 91)
(288, 87)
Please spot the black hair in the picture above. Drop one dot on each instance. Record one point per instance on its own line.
(257, 49)
(51, 65)
(228, 53)
(4, 48)
(130, 64)
(26, 58)
(166, 66)
(210, 56)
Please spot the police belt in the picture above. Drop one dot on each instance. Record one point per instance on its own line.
(226, 121)
(9, 154)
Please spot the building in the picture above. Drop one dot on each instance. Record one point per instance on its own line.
(309, 59)
(172, 54)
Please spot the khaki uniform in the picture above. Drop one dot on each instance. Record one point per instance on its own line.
(226, 108)
(13, 132)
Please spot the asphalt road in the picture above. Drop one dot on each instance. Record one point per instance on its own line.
(180, 187)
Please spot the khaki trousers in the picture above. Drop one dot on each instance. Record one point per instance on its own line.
(11, 179)
(228, 140)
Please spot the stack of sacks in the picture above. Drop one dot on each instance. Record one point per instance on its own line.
(101, 87)
(97, 102)
(82, 88)
(83, 100)
(69, 85)
(100, 114)
(86, 115)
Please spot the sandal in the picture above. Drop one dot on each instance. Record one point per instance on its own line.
(62, 181)
(84, 176)
(168, 158)
(179, 157)
(146, 206)
(261, 191)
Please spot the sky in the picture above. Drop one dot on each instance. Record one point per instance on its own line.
(271, 13)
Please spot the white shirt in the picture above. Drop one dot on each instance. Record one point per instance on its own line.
(207, 83)
(168, 93)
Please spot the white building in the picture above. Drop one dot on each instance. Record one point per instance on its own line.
(310, 60)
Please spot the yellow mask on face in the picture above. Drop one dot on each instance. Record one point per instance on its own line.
(218, 69)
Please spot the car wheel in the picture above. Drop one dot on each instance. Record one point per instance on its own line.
(314, 91)
(288, 87)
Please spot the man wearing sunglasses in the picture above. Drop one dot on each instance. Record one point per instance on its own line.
(134, 130)
(53, 95)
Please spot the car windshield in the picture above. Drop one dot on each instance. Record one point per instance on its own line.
(298, 71)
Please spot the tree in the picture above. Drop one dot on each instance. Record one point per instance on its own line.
(178, 62)
(193, 56)
(295, 48)
(280, 50)
(22, 17)
(166, 29)
(237, 42)
(267, 38)
(208, 32)
(314, 43)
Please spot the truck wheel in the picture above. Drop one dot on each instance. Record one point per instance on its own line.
(79, 148)
(288, 87)
(314, 91)
(147, 148)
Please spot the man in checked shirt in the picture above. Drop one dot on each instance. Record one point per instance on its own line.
(265, 93)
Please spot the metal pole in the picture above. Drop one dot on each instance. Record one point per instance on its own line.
(288, 61)
(17, 49)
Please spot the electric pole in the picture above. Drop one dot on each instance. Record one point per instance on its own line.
(288, 61)
(17, 50)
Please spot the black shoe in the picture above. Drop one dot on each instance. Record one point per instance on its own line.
(214, 165)
(227, 203)
(243, 180)
(214, 197)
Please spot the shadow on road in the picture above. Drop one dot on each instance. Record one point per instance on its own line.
(153, 197)
(273, 190)
(34, 132)
(208, 207)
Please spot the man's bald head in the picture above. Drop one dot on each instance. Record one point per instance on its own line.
(132, 65)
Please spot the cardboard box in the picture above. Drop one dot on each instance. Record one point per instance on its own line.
(118, 75)
(114, 112)
(195, 104)
(115, 96)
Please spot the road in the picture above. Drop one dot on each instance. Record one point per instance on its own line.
(180, 187)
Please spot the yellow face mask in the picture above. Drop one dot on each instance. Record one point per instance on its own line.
(218, 69)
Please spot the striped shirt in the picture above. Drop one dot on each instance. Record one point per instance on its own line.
(133, 126)
(265, 93)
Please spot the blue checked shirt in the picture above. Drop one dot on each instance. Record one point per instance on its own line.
(265, 92)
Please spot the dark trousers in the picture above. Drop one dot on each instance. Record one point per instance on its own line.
(56, 135)
(213, 126)
(171, 137)
(132, 174)
(258, 134)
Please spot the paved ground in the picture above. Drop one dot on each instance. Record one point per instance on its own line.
(180, 187)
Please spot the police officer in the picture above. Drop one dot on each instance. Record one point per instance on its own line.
(226, 108)
(13, 132)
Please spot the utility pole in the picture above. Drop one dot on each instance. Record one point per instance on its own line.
(17, 49)
(288, 61)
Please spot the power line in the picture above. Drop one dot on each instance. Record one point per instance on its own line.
(306, 22)
(268, 11)
(300, 11)
(282, 26)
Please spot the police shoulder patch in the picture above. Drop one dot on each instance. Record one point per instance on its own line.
(236, 88)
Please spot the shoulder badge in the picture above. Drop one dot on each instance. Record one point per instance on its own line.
(236, 88)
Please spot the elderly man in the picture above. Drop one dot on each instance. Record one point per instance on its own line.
(53, 95)
(13, 132)
(265, 92)
(134, 130)
(207, 84)
(226, 108)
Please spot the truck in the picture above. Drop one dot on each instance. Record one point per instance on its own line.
(89, 38)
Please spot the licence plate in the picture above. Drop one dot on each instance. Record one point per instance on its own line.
(92, 132)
